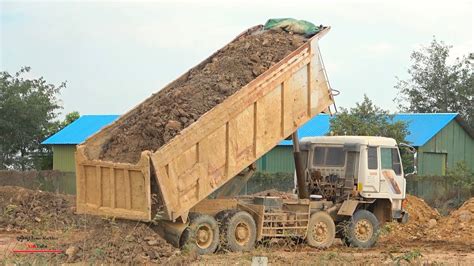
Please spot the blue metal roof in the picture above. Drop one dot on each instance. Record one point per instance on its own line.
(81, 129)
(422, 127)
(318, 126)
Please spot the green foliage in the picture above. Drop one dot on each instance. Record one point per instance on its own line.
(386, 228)
(435, 86)
(367, 119)
(408, 256)
(58, 125)
(408, 160)
(70, 117)
(444, 193)
(261, 181)
(28, 112)
(28, 108)
(461, 175)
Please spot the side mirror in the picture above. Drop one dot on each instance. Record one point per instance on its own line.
(410, 148)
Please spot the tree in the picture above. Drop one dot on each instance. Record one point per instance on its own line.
(59, 125)
(435, 86)
(28, 108)
(70, 117)
(367, 119)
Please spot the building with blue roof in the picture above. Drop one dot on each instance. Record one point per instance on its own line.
(442, 140)
(64, 142)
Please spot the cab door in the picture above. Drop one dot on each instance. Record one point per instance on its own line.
(372, 180)
(392, 181)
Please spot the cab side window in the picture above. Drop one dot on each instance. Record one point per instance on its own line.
(396, 164)
(391, 160)
(372, 158)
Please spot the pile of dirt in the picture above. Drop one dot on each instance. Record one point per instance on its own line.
(163, 116)
(83, 238)
(420, 212)
(22, 208)
(458, 226)
(120, 242)
(421, 218)
(426, 224)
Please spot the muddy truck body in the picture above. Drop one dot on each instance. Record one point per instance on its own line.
(189, 184)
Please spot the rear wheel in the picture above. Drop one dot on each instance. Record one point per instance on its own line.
(202, 234)
(321, 230)
(239, 231)
(362, 230)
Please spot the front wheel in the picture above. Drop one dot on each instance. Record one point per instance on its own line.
(362, 230)
(321, 230)
(201, 235)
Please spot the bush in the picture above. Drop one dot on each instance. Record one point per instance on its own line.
(261, 181)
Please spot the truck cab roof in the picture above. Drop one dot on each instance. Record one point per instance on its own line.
(361, 140)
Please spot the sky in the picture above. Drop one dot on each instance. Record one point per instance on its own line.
(115, 54)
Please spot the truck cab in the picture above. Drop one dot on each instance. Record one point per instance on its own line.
(363, 169)
(345, 187)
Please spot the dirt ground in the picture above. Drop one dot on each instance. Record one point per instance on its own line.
(48, 221)
(35, 220)
(417, 253)
(157, 120)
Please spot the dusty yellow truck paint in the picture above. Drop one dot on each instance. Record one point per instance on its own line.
(208, 153)
(113, 189)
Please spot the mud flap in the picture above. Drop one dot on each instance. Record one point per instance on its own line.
(172, 231)
(348, 207)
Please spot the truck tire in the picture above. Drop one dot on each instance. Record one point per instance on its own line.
(239, 231)
(201, 235)
(321, 230)
(362, 230)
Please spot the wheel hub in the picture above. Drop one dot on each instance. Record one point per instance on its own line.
(204, 236)
(320, 232)
(363, 230)
(242, 233)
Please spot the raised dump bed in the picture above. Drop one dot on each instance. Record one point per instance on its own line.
(168, 182)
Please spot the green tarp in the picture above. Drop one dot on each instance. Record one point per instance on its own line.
(302, 27)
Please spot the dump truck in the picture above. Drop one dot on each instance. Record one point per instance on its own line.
(359, 179)
(189, 185)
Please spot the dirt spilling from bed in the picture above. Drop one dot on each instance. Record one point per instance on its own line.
(163, 116)
(48, 221)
